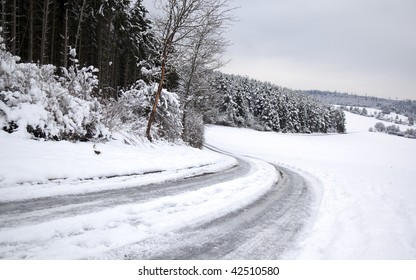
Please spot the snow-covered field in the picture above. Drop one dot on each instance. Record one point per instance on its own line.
(389, 119)
(367, 187)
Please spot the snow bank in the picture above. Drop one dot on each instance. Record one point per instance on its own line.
(28, 166)
(367, 208)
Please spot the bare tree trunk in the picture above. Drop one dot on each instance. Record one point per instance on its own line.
(52, 50)
(100, 53)
(65, 51)
(14, 28)
(79, 50)
(30, 46)
(166, 47)
(156, 101)
(44, 31)
(79, 24)
(126, 70)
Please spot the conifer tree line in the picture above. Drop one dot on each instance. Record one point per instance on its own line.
(113, 36)
(246, 102)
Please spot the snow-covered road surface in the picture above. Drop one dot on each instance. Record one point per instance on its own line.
(25, 212)
(366, 185)
(121, 223)
(265, 229)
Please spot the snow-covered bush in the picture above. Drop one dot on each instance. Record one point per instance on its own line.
(410, 133)
(193, 133)
(35, 102)
(169, 116)
(380, 127)
(131, 111)
(392, 129)
(80, 82)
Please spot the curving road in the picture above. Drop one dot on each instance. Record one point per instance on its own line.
(263, 230)
(26, 212)
(266, 229)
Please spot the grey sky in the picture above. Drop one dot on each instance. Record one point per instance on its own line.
(356, 46)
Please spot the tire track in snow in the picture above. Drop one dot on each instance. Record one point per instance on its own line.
(244, 233)
(92, 234)
(266, 229)
(26, 212)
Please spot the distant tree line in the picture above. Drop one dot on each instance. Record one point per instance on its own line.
(404, 107)
(394, 130)
(380, 115)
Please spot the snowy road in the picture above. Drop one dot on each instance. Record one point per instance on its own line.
(26, 212)
(265, 229)
(174, 220)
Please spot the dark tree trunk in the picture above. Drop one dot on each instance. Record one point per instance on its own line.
(44, 31)
(13, 38)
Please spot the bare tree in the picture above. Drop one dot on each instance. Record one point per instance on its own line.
(178, 25)
(203, 52)
(30, 22)
(65, 39)
(44, 31)
(13, 38)
(81, 16)
(201, 56)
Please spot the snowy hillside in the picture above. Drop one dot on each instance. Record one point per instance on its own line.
(365, 181)
(390, 117)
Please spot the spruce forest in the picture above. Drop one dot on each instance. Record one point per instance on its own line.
(83, 70)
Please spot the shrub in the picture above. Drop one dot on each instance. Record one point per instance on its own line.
(380, 127)
(36, 103)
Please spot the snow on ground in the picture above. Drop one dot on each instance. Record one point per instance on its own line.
(367, 187)
(27, 167)
(390, 118)
(91, 235)
(33, 169)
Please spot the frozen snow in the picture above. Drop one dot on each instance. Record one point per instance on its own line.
(367, 182)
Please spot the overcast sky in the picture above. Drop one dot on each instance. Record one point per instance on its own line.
(355, 46)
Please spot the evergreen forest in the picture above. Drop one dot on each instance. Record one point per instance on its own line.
(82, 70)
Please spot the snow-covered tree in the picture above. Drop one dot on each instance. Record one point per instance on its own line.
(263, 106)
(129, 112)
(191, 31)
(380, 127)
(35, 103)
